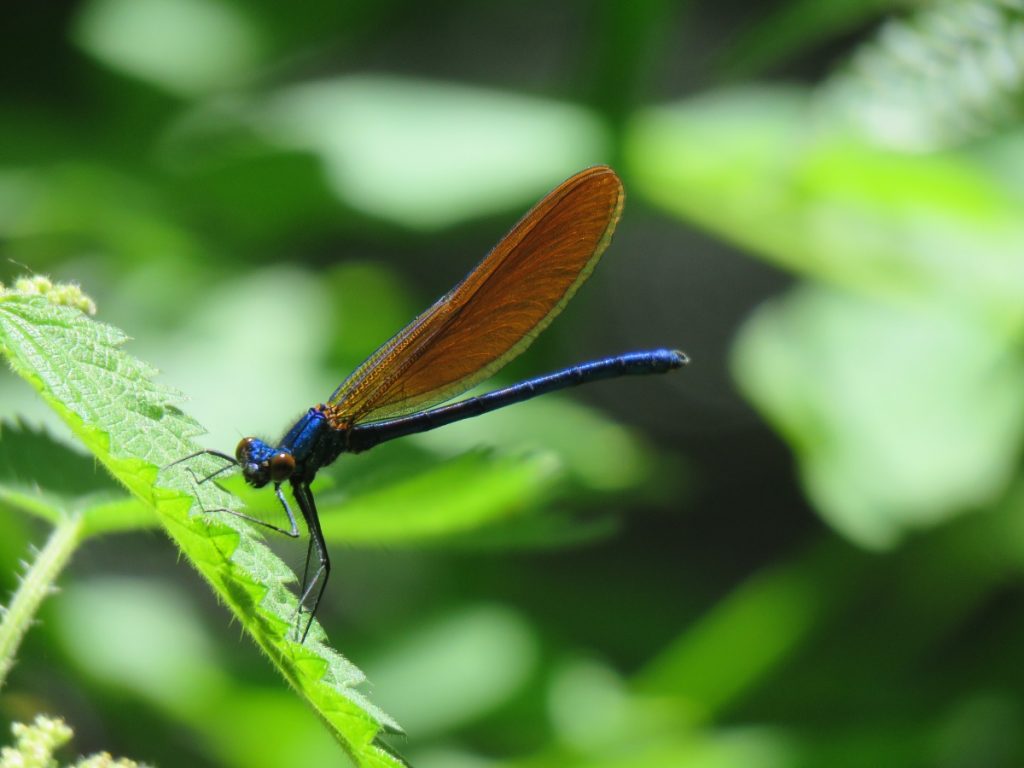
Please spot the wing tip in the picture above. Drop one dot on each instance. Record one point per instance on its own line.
(595, 171)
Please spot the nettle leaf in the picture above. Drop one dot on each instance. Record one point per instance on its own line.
(129, 423)
(438, 502)
(789, 29)
(760, 168)
(950, 73)
(43, 477)
(478, 499)
(901, 417)
(25, 450)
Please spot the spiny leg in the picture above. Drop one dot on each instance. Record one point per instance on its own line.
(308, 508)
(293, 533)
(212, 475)
(305, 568)
(231, 464)
(294, 526)
(232, 461)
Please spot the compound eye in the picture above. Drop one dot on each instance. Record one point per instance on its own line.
(244, 449)
(282, 464)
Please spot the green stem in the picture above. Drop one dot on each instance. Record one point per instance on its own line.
(35, 585)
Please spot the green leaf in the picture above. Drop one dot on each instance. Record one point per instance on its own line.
(164, 656)
(759, 168)
(43, 477)
(31, 457)
(387, 145)
(791, 28)
(458, 496)
(481, 656)
(476, 500)
(186, 46)
(952, 72)
(129, 423)
(900, 416)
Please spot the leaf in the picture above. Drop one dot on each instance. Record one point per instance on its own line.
(476, 500)
(43, 477)
(756, 167)
(480, 655)
(188, 47)
(795, 26)
(163, 655)
(25, 452)
(461, 495)
(950, 73)
(129, 423)
(427, 155)
(900, 417)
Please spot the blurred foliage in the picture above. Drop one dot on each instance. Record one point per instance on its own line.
(949, 74)
(36, 743)
(824, 208)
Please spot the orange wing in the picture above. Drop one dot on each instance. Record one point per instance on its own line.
(495, 312)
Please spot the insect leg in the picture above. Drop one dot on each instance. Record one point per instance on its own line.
(293, 533)
(208, 452)
(308, 508)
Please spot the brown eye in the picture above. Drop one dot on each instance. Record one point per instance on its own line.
(282, 464)
(244, 448)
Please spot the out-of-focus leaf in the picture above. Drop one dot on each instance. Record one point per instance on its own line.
(147, 639)
(431, 154)
(68, 206)
(259, 200)
(44, 477)
(479, 657)
(255, 376)
(953, 71)
(556, 528)
(461, 495)
(713, 663)
(589, 705)
(32, 461)
(414, 506)
(139, 636)
(370, 305)
(599, 455)
(447, 756)
(757, 168)
(791, 28)
(981, 729)
(632, 36)
(900, 416)
(185, 46)
(676, 746)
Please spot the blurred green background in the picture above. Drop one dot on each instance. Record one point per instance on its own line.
(803, 550)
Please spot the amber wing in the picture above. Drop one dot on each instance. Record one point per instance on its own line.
(495, 312)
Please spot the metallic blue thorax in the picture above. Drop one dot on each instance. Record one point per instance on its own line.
(313, 442)
(302, 439)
